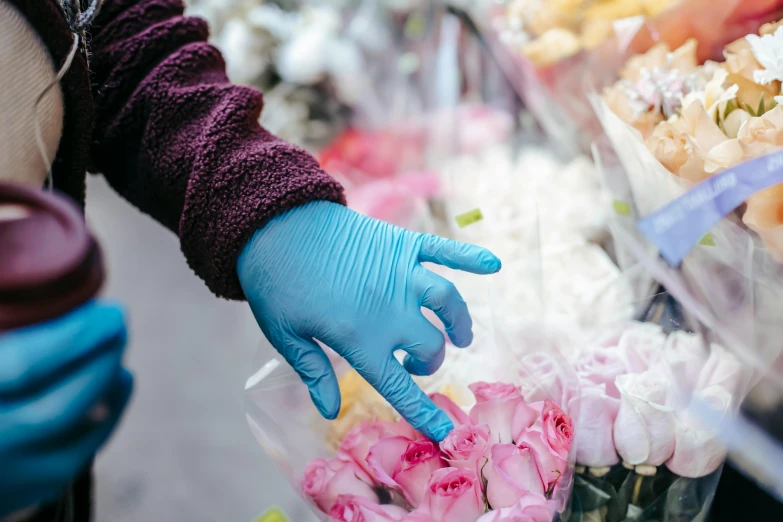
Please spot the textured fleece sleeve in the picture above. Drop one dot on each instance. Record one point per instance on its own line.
(177, 140)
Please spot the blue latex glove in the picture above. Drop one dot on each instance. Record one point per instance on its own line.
(325, 272)
(52, 377)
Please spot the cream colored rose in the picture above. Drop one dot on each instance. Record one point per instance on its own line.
(765, 209)
(699, 126)
(741, 65)
(644, 121)
(668, 144)
(760, 136)
(731, 125)
(723, 156)
(652, 59)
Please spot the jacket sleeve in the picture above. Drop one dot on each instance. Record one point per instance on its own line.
(177, 140)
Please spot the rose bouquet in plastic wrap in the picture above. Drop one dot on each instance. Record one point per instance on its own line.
(642, 453)
(702, 175)
(548, 47)
(722, 365)
(509, 457)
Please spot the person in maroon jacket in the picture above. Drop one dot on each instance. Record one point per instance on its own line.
(132, 90)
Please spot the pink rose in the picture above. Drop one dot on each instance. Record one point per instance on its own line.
(350, 508)
(357, 443)
(541, 378)
(551, 438)
(532, 507)
(557, 428)
(641, 346)
(453, 495)
(644, 426)
(502, 408)
(488, 391)
(594, 434)
(512, 472)
(325, 480)
(405, 465)
(600, 366)
(450, 408)
(466, 447)
(418, 516)
(697, 449)
(721, 369)
(685, 355)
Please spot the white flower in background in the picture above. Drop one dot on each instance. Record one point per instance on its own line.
(247, 52)
(768, 50)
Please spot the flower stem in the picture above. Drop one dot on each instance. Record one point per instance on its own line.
(637, 489)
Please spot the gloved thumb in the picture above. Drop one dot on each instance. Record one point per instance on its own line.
(315, 370)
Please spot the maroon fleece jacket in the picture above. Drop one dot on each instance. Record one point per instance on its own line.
(157, 116)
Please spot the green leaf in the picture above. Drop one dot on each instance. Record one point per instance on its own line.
(761, 106)
(707, 240)
(621, 208)
(469, 217)
(731, 106)
(750, 110)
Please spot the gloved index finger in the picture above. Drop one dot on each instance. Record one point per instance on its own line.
(396, 386)
(458, 256)
(32, 356)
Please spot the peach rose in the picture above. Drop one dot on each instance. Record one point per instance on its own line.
(668, 144)
(765, 209)
(741, 65)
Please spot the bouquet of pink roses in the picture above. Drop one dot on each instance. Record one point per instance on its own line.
(504, 460)
(641, 452)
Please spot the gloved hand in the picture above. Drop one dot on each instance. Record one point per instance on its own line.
(62, 390)
(324, 272)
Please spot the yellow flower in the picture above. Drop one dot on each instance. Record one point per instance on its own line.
(614, 9)
(656, 7)
(552, 46)
(358, 413)
(595, 32)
